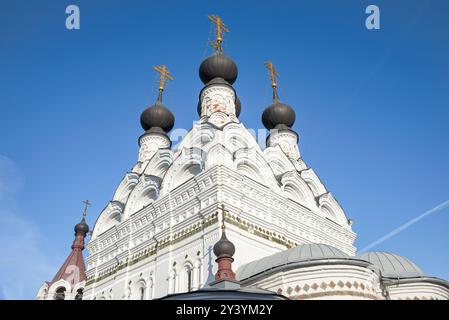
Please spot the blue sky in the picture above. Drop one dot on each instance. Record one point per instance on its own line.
(372, 110)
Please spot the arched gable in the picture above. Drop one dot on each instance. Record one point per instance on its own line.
(188, 164)
(221, 156)
(331, 208)
(109, 217)
(278, 161)
(144, 193)
(251, 163)
(124, 189)
(235, 136)
(297, 189)
(314, 182)
(200, 135)
(159, 163)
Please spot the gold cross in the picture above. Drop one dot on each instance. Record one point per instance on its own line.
(273, 76)
(86, 204)
(165, 74)
(220, 27)
(222, 208)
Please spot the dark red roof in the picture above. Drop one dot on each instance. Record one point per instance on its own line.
(73, 270)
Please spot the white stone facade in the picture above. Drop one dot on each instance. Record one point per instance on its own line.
(158, 230)
(417, 289)
(150, 143)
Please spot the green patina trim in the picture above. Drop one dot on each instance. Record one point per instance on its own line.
(182, 235)
(188, 232)
(262, 233)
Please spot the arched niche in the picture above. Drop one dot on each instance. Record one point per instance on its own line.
(186, 277)
(59, 290)
(140, 290)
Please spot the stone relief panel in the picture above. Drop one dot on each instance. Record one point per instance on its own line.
(150, 144)
(287, 141)
(217, 99)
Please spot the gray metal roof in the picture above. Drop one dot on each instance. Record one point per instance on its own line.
(226, 290)
(392, 265)
(304, 252)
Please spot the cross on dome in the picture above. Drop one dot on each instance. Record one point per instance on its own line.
(220, 27)
(273, 77)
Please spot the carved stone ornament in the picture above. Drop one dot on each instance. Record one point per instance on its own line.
(217, 99)
(150, 144)
(287, 141)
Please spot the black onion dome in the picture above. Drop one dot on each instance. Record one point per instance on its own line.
(224, 247)
(157, 116)
(218, 65)
(278, 115)
(81, 227)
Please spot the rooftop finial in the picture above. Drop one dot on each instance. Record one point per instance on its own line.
(165, 74)
(273, 77)
(222, 208)
(224, 250)
(220, 27)
(82, 228)
(86, 204)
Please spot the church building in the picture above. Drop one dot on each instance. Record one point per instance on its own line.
(220, 217)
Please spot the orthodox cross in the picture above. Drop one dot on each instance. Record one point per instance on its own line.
(222, 208)
(86, 204)
(273, 77)
(165, 74)
(220, 27)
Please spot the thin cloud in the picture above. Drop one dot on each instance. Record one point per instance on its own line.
(23, 266)
(405, 226)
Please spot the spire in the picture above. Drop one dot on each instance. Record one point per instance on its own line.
(220, 27)
(73, 270)
(224, 250)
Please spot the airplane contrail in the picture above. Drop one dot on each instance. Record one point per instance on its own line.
(405, 226)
